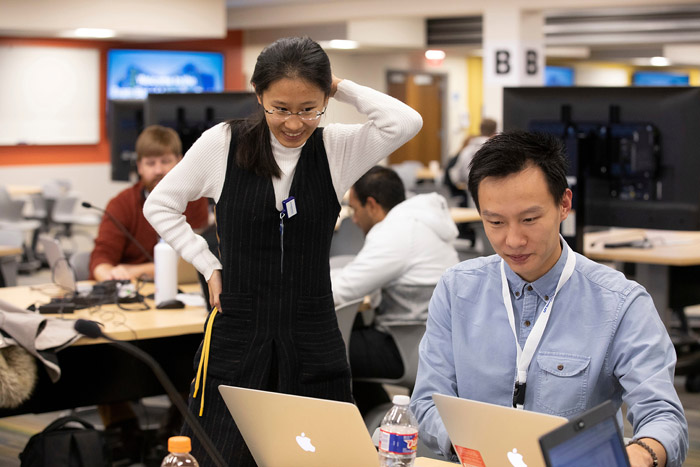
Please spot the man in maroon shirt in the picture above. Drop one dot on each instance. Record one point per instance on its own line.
(115, 256)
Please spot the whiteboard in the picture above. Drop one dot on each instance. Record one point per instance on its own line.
(49, 95)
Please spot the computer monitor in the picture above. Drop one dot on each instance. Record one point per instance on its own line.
(558, 76)
(660, 78)
(640, 140)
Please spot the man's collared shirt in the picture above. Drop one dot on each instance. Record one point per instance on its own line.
(604, 340)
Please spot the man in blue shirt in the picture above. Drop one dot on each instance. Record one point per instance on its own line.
(496, 334)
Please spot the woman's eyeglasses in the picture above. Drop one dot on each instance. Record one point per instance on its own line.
(308, 115)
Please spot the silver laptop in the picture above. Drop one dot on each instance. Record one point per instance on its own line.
(285, 430)
(492, 435)
(61, 272)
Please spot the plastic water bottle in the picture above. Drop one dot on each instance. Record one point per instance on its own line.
(398, 437)
(179, 455)
(165, 259)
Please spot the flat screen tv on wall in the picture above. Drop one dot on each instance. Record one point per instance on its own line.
(133, 74)
(660, 78)
(558, 76)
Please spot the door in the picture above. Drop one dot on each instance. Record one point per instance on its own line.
(424, 92)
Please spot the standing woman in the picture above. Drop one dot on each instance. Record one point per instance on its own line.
(277, 179)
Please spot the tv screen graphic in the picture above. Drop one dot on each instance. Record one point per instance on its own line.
(558, 76)
(133, 74)
(659, 78)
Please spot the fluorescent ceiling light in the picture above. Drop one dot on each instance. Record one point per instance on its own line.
(97, 33)
(659, 61)
(342, 44)
(435, 54)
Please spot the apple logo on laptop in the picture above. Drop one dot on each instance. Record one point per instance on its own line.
(305, 443)
(516, 459)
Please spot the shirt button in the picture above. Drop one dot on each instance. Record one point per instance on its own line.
(517, 294)
(527, 324)
(560, 367)
(546, 298)
(529, 288)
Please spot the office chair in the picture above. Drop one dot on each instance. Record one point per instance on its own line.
(348, 239)
(407, 335)
(346, 314)
(11, 219)
(80, 262)
(65, 215)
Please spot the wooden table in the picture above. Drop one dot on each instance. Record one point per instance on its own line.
(666, 247)
(669, 268)
(427, 462)
(23, 190)
(666, 250)
(460, 215)
(93, 372)
(426, 174)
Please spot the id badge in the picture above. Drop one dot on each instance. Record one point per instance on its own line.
(289, 207)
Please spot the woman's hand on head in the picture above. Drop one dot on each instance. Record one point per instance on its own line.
(334, 84)
(215, 288)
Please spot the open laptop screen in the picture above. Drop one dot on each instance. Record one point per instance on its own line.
(61, 272)
(592, 438)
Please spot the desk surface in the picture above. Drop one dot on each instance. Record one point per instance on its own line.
(427, 462)
(426, 173)
(118, 323)
(460, 215)
(21, 190)
(671, 248)
(10, 250)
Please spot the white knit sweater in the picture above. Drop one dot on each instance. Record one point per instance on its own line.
(351, 151)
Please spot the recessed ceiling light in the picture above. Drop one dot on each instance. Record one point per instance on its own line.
(343, 44)
(435, 54)
(97, 33)
(659, 61)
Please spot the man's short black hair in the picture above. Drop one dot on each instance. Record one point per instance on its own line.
(512, 151)
(382, 184)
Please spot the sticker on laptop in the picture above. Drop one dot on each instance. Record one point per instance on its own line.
(469, 457)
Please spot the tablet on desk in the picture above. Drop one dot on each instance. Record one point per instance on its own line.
(592, 438)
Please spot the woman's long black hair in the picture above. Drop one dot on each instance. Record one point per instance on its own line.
(290, 57)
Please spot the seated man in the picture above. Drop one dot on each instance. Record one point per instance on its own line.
(115, 256)
(459, 172)
(408, 246)
(600, 339)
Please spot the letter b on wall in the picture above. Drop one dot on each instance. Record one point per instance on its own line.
(502, 62)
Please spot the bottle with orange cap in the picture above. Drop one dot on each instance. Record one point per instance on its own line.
(179, 455)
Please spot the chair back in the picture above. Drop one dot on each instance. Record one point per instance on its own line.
(11, 237)
(80, 262)
(407, 336)
(63, 209)
(10, 209)
(348, 239)
(346, 313)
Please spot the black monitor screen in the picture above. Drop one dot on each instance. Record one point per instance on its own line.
(639, 148)
(599, 445)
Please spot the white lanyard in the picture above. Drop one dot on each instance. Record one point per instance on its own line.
(533, 340)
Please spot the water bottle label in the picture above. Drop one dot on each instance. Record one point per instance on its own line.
(398, 443)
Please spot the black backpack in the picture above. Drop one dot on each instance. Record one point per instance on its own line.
(66, 446)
